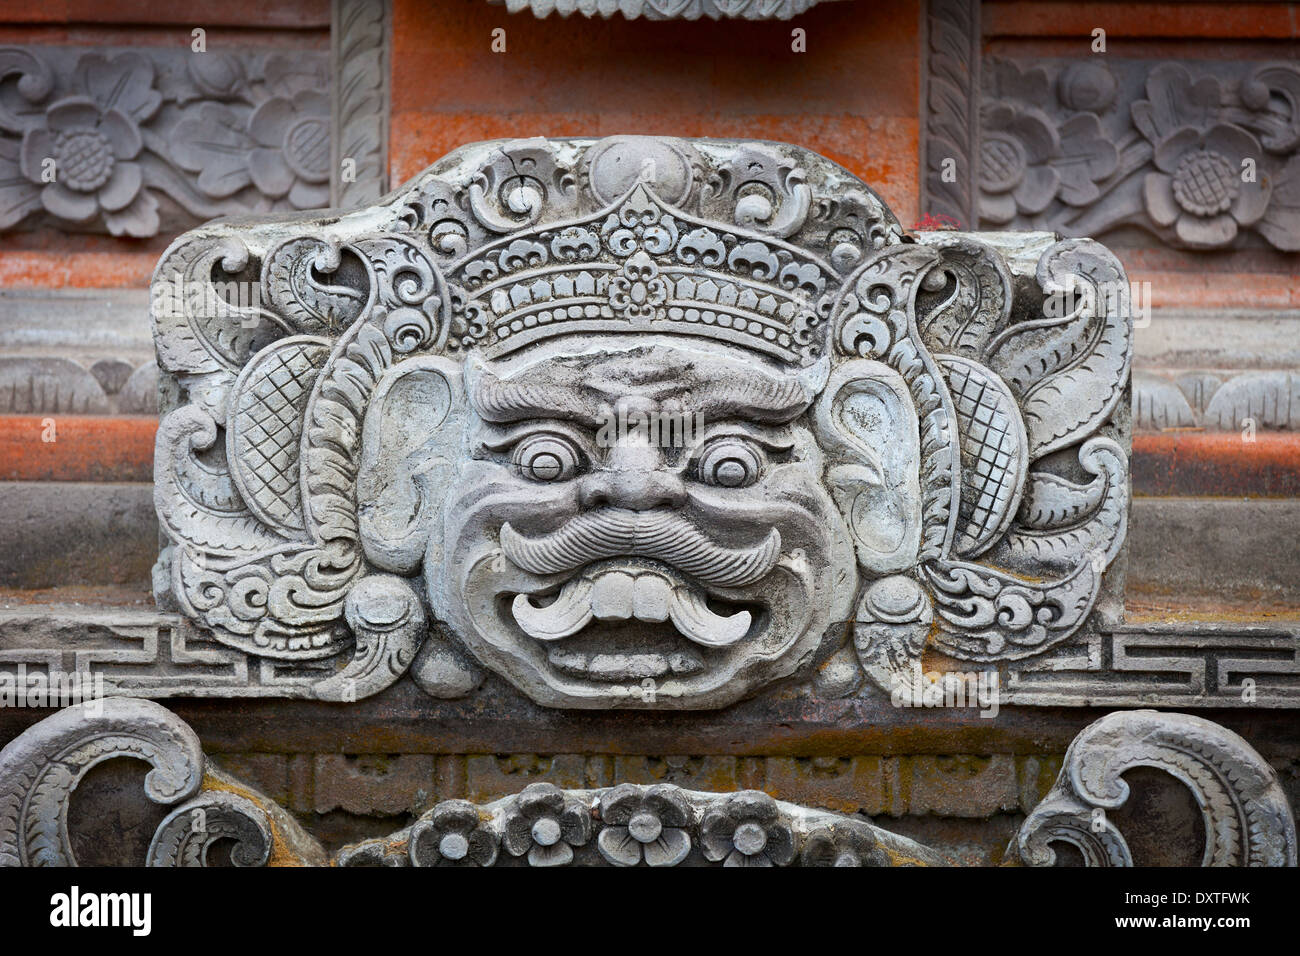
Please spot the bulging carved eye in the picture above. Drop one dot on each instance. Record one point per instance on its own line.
(547, 457)
(730, 462)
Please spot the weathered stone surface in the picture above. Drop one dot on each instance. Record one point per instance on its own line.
(378, 784)
(75, 533)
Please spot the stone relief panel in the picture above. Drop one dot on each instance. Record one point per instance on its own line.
(132, 142)
(1202, 156)
(1247, 820)
(638, 422)
(149, 140)
(1199, 155)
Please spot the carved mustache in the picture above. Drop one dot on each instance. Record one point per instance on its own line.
(620, 596)
(659, 535)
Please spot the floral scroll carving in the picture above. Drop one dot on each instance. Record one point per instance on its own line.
(40, 769)
(1247, 818)
(125, 142)
(1195, 155)
(1198, 155)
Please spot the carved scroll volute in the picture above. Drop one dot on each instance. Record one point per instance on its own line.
(41, 767)
(1248, 820)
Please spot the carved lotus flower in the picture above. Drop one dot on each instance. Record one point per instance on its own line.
(644, 823)
(89, 143)
(842, 846)
(747, 830)
(452, 834)
(546, 825)
(293, 148)
(1200, 189)
(283, 148)
(1026, 160)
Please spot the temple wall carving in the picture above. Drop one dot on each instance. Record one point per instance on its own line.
(761, 476)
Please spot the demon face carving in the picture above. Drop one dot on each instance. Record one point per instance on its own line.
(641, 521)
(638, 423)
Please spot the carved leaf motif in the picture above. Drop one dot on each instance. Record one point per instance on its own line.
(974, 303)
(190, 831)
(951, 116)
(1070, 522)
(1069, 370)
(290, 281)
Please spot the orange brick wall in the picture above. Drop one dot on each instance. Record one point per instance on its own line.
(852, 97)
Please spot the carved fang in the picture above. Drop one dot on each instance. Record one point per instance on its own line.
(693, 618)
(620, 596)
(570, 612)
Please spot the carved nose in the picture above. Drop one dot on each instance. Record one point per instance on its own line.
(633, 478)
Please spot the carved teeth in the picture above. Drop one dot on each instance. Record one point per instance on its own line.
(651, 598)
(623, 667)
(620, 596)
(611, 596)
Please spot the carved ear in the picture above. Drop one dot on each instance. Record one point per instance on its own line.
(867, 424)
(409, 448)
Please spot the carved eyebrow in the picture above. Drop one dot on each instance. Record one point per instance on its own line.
(763, 398)
(501, 401)
(766, 399)
(512, 433)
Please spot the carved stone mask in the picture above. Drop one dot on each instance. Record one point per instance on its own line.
(644, 512)
(637, 422)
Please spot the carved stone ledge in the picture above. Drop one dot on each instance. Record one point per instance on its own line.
(1235, 401)
(1247, 820)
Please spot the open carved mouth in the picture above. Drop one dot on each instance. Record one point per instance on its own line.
(617, 622)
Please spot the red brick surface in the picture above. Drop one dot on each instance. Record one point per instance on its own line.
(852, 97)
(85, 448)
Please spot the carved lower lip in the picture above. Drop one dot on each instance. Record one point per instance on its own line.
(619, 594)
(630, 667)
